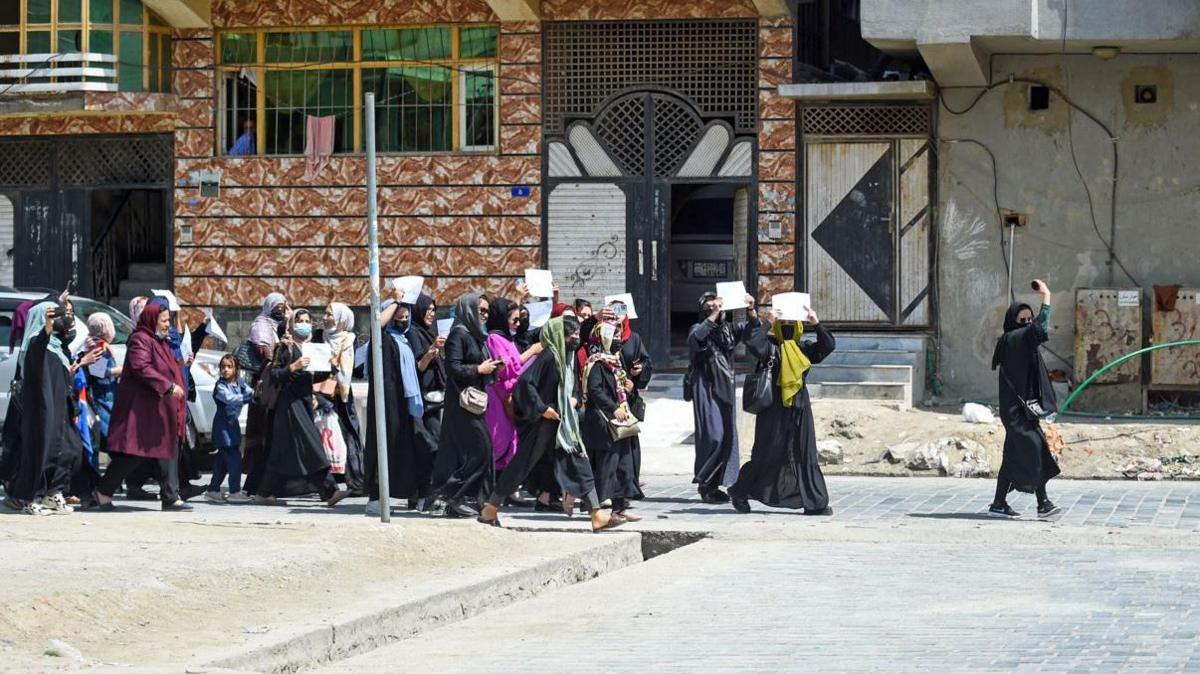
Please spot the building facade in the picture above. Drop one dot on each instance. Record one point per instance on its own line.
(602, 139)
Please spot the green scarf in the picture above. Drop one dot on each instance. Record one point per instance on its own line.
(793, 363)
(554, 343)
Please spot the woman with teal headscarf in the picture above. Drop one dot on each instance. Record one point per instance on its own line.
(51, 446)
(545, 402)
(783, 471)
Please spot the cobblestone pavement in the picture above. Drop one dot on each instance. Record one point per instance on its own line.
(1173, 506)
(788, 606)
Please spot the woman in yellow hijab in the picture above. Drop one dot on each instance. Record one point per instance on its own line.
(783, 471)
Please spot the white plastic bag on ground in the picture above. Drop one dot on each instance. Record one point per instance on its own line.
(978, 414)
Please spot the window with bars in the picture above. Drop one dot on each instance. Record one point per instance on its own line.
(125, 29)
(435, 88)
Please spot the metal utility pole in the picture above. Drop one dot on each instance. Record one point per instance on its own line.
(385, 499)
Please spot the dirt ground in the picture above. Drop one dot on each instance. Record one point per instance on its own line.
(154, 588)
(1094, 449)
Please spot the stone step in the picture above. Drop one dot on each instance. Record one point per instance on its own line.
(132, 288)
(869, 357)
(889, 391)
(883, 374)
(148, 271)
(880, 342)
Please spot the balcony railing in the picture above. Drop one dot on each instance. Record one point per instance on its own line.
(57, 73)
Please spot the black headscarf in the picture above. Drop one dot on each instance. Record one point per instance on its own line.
(497, 322)
(1010, 324)
(466, 314)
(420, 338)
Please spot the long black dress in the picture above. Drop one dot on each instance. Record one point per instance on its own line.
(633, 350)
(50, 445)
(433, 385)
(537, 437)
(1028, 463)
(296, 461)
(710, 352)
(783, 471)
(409, 461)
(464, 442)
(612, 460)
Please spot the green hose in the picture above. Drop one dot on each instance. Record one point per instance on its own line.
(1067, 403)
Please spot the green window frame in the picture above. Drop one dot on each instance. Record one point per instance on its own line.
(435, 86)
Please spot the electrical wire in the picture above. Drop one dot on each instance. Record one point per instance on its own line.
(1095, 120)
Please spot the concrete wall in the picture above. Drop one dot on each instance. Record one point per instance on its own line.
(1158, 197)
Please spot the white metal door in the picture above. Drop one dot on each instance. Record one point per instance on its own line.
(586, 239)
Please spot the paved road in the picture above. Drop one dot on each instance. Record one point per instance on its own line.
(776, 606)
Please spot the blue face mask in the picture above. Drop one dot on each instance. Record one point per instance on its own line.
(302, 330)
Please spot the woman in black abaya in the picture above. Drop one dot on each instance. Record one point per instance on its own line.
(606, 387)
(710, 362)
(465, 442)
(548, 425)
(51, 447)
(783, 471)
(296, 463)
(1028, 463)
(427, 347)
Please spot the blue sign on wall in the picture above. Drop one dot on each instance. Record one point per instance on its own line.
(521, 191)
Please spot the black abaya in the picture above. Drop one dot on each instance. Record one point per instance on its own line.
(612, 460)
(710, 352)
(1027, 464)
(433, 381)
(409, 461)
(537, 437)
(783, 471)
(464, 442)
(296, 463)
(50, 445)
(633, 350)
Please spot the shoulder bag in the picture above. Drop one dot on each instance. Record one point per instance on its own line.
(473, 400)
(1032, 408)
(248, 358)
(622, 430)
(758, 393)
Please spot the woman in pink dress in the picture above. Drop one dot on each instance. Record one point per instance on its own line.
(502, 325)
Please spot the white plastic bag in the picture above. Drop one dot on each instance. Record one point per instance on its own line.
(978, 414)
(332, 440)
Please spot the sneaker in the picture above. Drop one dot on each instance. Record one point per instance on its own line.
(373, 509)
(1048, 509)
(214, 497)
(266, 500)
(178, 506)
(461, 510)
(35, 508)
(56, 504)
(1003, 510)
(239, 497)
(436, 507)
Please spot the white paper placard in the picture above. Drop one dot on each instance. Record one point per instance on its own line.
(213, 328)
(443, 326)
(99, 369)
(172, 302)
(624, 298)
(540, 282)
(412, 286)
(732, 294)
(791, 306)
(539, 313)
(1128, 298)
(319, 356)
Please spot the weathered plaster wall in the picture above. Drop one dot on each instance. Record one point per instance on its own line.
(1158, 197)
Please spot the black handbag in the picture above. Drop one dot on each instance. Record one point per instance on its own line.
(759, 391)
(248, 358)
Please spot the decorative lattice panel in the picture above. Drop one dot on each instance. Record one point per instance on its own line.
(676, 129)
(115, 161)
(622, 128)
(25, 162)
(713, 63)
(867, 120)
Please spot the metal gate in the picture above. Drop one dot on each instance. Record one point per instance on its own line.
(629, 108)
(49, 182)
(868, 215)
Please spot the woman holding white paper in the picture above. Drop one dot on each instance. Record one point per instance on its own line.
(783, 471)
(296, 463)
(710, 369)
(427, 345)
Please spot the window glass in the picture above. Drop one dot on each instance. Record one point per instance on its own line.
(101, 11)
(152, 69)
(10, 13)
(101, 41)
(10, 43)
(131, 62)
(38, 42)
(37, 11)
(478, 42)
(238, 48)
(295, 95)
(131, 12)
(413, 108)
(70, 11)
(406, 44)
(70, 41)
(164, 68)
(479, 114)
(310, 47)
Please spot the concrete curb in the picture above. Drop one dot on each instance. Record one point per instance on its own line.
(336, 641)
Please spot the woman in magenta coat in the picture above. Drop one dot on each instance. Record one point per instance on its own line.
(148, 418)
